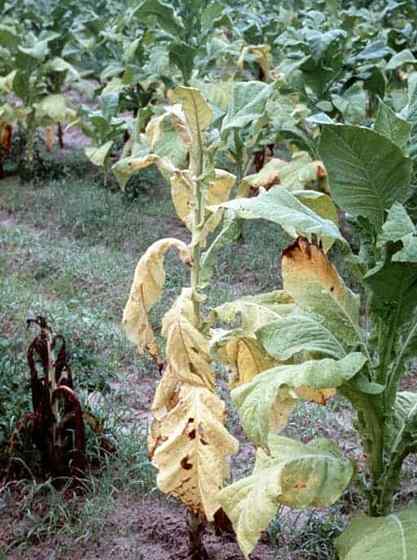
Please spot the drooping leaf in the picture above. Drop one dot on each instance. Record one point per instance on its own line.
(242, 353)
(316, 287)
(295, 474)
(261, 54)
(380, 538)
(128, 166)
(146, 289)
(183, 189)
(168, 139)
(191, 447)
(98, 154)
(283, 207)
(266, 402)
(186, 347)
(367, 172)
(392, 126)
(198, 113)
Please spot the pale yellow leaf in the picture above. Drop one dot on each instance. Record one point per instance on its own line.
(146, 290)
(191, 448)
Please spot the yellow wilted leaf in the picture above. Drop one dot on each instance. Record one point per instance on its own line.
(316, 287)
(146, 290)
(242, 353)
(182, 188)
(191, 448)
(262, 55)
(187, 348)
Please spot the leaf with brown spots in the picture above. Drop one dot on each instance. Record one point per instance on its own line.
(191, 449)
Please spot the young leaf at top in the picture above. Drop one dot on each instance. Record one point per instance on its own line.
(367, 172)
(294, 474)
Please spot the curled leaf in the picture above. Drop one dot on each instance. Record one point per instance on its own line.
(295, 475)
(146, 290)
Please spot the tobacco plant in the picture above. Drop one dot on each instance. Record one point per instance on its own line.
(302, 342)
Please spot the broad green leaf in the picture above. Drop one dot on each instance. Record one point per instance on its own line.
(242, 353)
(164, 14)
(252, 312)
(320, 203)
(247, 104)
(316, 287)
(403, 57)
(265, 403)
(146, 290)
(182, 55)
(401, 438)
(392, 126)
(299, 333)
(399, 227)
(98, 154)
(191, 447)
(295, 474)
(393, 537)
(367, 172)
(283, 207)
(352, 104)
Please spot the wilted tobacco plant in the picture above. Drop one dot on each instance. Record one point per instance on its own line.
(188, 441)
(56, 424)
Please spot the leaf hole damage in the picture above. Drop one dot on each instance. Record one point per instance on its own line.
(185, 464)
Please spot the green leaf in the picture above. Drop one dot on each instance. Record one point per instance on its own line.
(282, 207)
(295, 475)
(247, 104)
(265, 403)
(367, 172)
(380, 538)
(403, 57)
(299, 333)
(352, 104)
(399, 227)
(52, 107)
(98, 154)
(402, 437)
(392, 126)
(164, 14)
(252, 312)
(182, 55)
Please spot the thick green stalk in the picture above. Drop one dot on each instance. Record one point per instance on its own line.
(197, 166)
